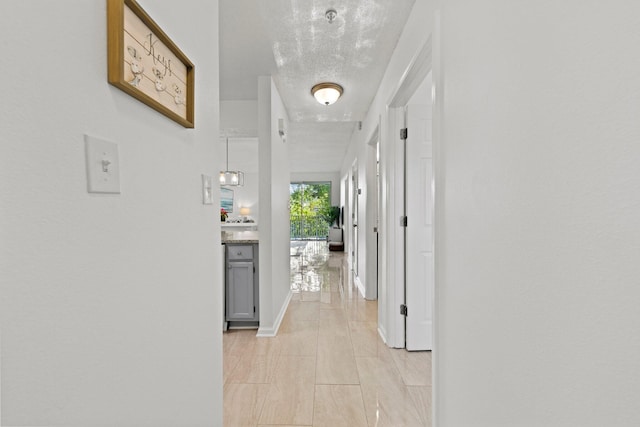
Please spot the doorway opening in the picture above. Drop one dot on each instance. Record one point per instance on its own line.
(311, 212)
(411, 274)
(311, 216)
(371, 209)
(355, 192)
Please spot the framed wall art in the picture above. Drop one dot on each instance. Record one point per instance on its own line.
(146, 64)
(226, 199)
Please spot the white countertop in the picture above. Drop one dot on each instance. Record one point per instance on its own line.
(240, 237)
(239, 226)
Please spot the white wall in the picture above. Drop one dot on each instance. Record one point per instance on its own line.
(243, 156)
(239, 118)
(246, 196)
(109, 305)
(422, 95)
(239, 122)
(274, 209)
(537, 250)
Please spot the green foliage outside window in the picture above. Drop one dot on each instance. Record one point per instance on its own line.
(311, 211)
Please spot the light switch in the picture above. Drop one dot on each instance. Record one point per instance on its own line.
(207, 190)
(103, 166)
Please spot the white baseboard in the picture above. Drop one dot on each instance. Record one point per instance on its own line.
(359, 285)
(383, 335)
(273, 330)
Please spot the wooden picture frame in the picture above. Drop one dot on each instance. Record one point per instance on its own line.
(146, 64)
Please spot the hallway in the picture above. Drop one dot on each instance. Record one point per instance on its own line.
(327, 366)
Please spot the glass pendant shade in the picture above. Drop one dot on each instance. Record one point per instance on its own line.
(231, 178)
(227, 177)
(326, 93)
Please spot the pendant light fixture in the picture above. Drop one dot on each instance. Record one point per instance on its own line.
(326, 93)
(231, 178)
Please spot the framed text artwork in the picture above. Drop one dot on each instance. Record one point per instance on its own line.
(146, 64)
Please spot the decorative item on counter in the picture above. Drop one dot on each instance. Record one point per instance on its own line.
(244, 212)
(223, 215)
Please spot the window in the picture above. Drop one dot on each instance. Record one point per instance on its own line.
(311, 211)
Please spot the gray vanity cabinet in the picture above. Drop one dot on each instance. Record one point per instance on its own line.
(242, 283)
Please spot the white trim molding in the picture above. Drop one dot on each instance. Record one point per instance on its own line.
(359, 285)
(273, 330)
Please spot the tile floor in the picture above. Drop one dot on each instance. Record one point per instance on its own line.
(327, 366)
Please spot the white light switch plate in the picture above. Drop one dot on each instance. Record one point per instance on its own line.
(103, 165)
(207, 190)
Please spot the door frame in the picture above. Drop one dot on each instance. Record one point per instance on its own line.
(354, 212)
(371, 217)
(417, 70)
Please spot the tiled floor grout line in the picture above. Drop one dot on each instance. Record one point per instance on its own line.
(268, 385)
(369, 422)
(315, 377)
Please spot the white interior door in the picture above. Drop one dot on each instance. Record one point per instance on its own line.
(419, 231)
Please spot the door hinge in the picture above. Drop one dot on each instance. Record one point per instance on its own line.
(403, 309)
(403, 133)
(254, 308)
(254, 268)
(403, 221)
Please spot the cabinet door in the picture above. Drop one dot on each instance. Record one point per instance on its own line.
(240, 291)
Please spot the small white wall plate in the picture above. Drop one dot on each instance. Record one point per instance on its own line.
(103, 165)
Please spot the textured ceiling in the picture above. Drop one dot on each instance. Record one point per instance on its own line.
(293, 41)
(352, 51)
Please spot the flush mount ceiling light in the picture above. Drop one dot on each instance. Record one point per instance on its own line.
(231, 178)
(331, 15)
(326, 93)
